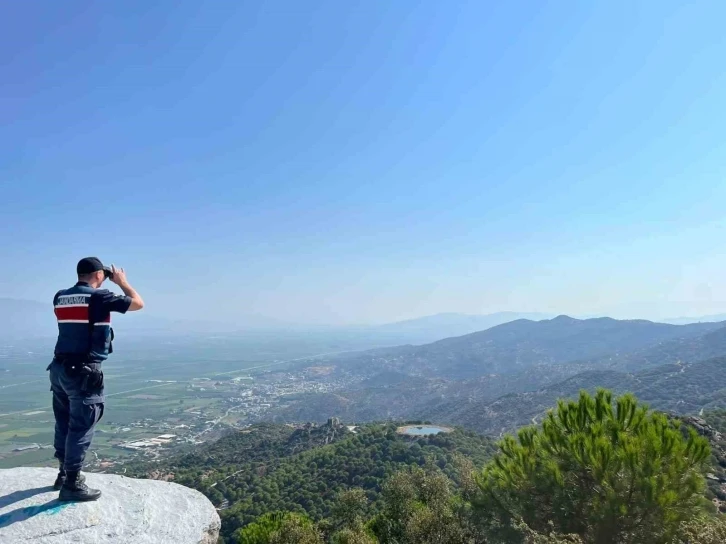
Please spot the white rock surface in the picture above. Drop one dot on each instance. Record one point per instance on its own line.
(130, 510)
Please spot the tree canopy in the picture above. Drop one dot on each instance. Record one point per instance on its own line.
(598, 470)
(606, 471)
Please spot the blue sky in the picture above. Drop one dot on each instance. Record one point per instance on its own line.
(365, 161)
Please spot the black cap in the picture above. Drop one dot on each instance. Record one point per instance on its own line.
(89, 265)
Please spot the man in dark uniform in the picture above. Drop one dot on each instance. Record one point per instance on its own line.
(84, 342)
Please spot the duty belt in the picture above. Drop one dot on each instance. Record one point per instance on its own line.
(78, 365)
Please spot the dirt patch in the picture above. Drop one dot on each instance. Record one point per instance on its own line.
(320, 370)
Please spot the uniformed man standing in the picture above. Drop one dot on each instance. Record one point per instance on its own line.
(84, 342)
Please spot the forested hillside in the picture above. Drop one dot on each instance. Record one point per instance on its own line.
(274, 467)
(713, 426)
(539, 360)
(684, 349)
(277, 482)
(598, 470)
(681, 388)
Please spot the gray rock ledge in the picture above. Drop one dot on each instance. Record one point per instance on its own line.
(130, 510)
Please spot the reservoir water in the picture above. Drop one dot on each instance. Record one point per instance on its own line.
(423, 430)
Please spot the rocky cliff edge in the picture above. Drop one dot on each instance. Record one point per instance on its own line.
(130, 510)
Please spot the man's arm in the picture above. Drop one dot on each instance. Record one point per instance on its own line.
(119, 278)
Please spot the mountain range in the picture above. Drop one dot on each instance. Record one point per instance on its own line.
(503, 377)
(25, 318)
(32, 319)
(430, 328)
(21, 318)
(698, 319)
(521, 344)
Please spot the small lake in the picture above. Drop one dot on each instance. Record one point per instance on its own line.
(423, 430)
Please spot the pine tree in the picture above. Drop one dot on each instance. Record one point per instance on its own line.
(420, 508)
(607, 472)
(296, 530)
(279, 528)
(348, 517)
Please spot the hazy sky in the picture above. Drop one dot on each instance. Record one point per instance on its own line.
(364, 161)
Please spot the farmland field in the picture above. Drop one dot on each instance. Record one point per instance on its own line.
(152, 385)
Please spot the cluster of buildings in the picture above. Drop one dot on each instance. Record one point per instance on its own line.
(253, 397)
(161, 440)
(240, 402)
(279, 384)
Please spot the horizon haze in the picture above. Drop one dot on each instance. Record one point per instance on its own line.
(28, 320)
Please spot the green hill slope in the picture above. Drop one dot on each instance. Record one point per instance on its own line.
(275, 467)
(680, 388)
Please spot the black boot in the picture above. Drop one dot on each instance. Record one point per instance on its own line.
(60, 480)
(74, 489)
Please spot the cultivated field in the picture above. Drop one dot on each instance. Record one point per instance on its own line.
(152, 385)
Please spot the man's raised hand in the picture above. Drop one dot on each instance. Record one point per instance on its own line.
(119, 276)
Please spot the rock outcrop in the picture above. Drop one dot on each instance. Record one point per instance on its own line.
(700, 425)
(130, 510)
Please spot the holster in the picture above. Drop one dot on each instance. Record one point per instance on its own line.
(92, 379)
(90, 374)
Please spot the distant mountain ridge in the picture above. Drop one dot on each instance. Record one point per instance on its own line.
(30, 318)
(430, 328)
(698, 319)
(26, 318)
(20, 318)
(517, 345)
